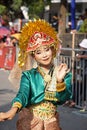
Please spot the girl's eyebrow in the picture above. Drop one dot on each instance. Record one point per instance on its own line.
(37, 51)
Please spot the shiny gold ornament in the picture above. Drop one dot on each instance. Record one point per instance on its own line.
(47, 78)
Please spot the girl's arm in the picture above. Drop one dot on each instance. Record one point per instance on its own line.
(9, 114)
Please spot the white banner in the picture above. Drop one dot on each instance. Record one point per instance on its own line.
(77, 1)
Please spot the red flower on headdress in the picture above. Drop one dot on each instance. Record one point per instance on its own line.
(37, 39)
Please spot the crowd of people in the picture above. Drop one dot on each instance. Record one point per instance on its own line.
(80, 20)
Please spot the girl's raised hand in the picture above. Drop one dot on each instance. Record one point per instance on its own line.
(62, 70)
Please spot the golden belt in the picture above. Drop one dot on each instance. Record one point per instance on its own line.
(44, 110)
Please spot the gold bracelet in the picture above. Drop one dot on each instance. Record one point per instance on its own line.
(17, 104)
(60, 87)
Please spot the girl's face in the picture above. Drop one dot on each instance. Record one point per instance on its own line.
(43, 55)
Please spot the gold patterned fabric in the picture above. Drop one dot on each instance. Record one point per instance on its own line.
(28, 121)
(44, 110)
(50, 96)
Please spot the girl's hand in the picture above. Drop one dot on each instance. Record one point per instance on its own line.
(8, 115)
(62, 70)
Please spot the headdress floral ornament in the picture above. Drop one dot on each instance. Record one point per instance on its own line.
(39, 38)
(33, 34)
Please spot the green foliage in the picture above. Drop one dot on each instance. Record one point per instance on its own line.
(16, 5)
(36, 8)
(2, 9)
(83, 28)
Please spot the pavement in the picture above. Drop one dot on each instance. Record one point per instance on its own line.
(70, 118)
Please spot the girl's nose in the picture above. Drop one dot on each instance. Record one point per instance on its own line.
(44, 54)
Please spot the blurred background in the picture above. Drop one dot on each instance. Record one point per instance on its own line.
(67, 17)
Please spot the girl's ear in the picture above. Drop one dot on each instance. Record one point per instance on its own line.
(53, 51)
(32, 54)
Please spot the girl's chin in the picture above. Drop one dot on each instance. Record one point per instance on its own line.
(46, 64)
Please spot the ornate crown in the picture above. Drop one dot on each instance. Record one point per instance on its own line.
(33, 34)
(39, 38)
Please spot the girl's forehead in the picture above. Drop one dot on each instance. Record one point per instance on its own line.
(42, 47)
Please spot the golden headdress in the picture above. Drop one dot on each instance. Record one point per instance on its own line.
(29, 31)
(32, 34)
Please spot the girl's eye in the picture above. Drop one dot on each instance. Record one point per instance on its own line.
(46, 49)
(38, 52)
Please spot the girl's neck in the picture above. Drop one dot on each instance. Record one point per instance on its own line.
(46, 68)
(46, 72)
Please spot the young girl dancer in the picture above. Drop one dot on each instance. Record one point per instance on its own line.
(42, 88)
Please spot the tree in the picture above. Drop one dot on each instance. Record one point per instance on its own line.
(12, 8)
(36, 10)
(2, 9)
(62, 17)
(16, 5)
(36, 7)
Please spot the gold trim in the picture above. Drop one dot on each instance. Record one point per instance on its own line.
(50, 96)
(17, 104)
(60, 87)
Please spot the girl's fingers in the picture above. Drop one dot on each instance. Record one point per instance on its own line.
(3, 116)
(60, 66)
(68, 71)
(10, 118)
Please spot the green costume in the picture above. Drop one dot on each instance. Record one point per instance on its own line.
(32, 89)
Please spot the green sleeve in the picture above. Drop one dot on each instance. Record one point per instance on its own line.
(24, 90)
(67, 93)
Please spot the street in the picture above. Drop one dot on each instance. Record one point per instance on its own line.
(7, 92)
(70, 118)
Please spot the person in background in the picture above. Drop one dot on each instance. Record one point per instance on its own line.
(55, 21)
(79, 22)
(83, 47)
(44, 87)
(3, 42)
(15, 38)
(85, 14)
(83, 57)
(14, 41)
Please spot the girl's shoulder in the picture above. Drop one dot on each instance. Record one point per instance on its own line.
(31, 71)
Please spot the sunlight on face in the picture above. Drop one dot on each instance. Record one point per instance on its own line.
(43, 55)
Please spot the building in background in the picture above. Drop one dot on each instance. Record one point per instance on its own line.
(54, 8)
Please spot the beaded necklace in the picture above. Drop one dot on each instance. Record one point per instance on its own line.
(47, 77)
(50, 83)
